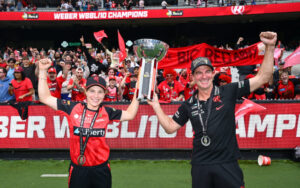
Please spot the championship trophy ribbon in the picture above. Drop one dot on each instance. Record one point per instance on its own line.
(151, 51)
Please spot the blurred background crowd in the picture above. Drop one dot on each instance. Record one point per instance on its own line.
(70, 69)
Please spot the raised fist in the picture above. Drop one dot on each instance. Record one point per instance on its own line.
(44, 64)
(268, 38)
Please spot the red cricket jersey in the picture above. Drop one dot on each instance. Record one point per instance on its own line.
(286, 91)
(97, 151)
(76, 94)
(167, 93)
(55, 86)
(112, 94)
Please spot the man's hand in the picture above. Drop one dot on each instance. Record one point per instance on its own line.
(154, 103)
(240, 40)
(82, 40)
(268, 38)
(44, 64)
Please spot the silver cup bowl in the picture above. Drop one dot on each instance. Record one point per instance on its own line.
(150, 49)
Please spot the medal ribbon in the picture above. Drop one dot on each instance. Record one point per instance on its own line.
(204, 126)
(83, 146)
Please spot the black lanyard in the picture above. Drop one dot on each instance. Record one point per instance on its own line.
(204, 125)
(82, 147)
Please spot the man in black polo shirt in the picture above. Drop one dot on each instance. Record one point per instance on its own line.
(211, 112)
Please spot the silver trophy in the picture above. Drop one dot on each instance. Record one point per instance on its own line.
(151, 51)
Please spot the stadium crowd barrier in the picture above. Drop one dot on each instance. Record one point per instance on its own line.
(278, 127)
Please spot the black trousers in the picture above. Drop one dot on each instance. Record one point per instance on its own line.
(89, 177)
(228, 175)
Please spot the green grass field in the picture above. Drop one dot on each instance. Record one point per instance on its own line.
(144, 174)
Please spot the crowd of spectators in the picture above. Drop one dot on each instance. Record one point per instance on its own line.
(67, 77)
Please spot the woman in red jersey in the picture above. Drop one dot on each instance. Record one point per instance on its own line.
(87, 122)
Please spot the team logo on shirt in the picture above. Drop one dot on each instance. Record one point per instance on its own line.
(217, 98)
(92, 132)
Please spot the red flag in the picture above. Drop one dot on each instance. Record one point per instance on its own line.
(246, 107)
(277, 54)
(100, 35)
(293, 59)
(122, 54)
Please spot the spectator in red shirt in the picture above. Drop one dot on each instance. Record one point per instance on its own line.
(2, 63)
(190, 86)
(170, 89)
(113, 92)
(285, 88)
(128, 86)
(77, 85)
(21, 86)
(258, 94)
(54, 82)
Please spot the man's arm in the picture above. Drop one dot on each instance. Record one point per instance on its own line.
(167, 123)
(88, 56)
(43, 89)
(266, 70)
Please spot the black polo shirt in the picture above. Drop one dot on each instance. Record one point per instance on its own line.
(221, 123)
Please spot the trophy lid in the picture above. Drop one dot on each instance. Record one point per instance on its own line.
(150, 48)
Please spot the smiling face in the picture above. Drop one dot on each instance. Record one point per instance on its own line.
(284, 77)
(18, 75)
(111, 72)
(94, 97)
(204, 75)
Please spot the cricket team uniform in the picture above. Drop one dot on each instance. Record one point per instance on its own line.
(214, 165)
(77, 95)
(111, 95)
(286, 91)
(167, 92)
(55, 86)
(95, 170)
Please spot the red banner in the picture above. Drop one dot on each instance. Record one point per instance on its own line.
(156, 13)
(100, 35)
(182, 57)
(276, 127)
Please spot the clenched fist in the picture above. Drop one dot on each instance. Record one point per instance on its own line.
(44, 64)
(268, 38)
